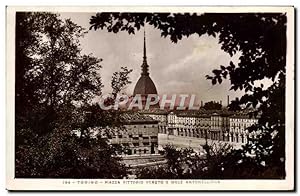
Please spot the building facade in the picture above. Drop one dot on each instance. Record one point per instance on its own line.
(214, 125)
(138, 136)
(159, 115)
(238, 125)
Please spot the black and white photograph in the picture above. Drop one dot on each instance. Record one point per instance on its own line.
(150, 98)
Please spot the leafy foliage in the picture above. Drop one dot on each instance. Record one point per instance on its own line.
(62, 155)
(120, 79)
(261, 40)
(51, 70)
(55, 85)
(220, 161)
(187, 164)
(212, 106)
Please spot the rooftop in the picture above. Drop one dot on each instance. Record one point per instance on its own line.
(137, 118)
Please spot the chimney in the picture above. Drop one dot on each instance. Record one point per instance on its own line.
(221, 102)
(227, 100)
(201, 103)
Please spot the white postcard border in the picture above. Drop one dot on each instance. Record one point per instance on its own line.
(115, 184)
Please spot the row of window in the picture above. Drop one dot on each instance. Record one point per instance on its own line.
(145, 126)
(186, 122)
(135, 137)
(138, 151)
(238, 138)
(234, 125)
(181, 119)
(243, 120)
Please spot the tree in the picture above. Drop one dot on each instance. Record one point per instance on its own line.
(60, 154)
(55, 85)
(119, 80)
(91, 116)
(185, 163)
(212, 106)
(260, 38)
(51, 72)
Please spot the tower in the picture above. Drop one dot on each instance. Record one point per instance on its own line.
(145, 85)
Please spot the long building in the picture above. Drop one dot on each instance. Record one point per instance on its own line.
(215, 125)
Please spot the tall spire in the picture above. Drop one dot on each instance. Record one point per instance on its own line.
(145, 65)
(145, 55)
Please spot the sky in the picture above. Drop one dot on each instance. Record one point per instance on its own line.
(174, 68)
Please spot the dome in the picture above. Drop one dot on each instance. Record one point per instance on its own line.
(144, 86)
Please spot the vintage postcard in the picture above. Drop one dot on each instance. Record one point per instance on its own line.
(150, 98)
